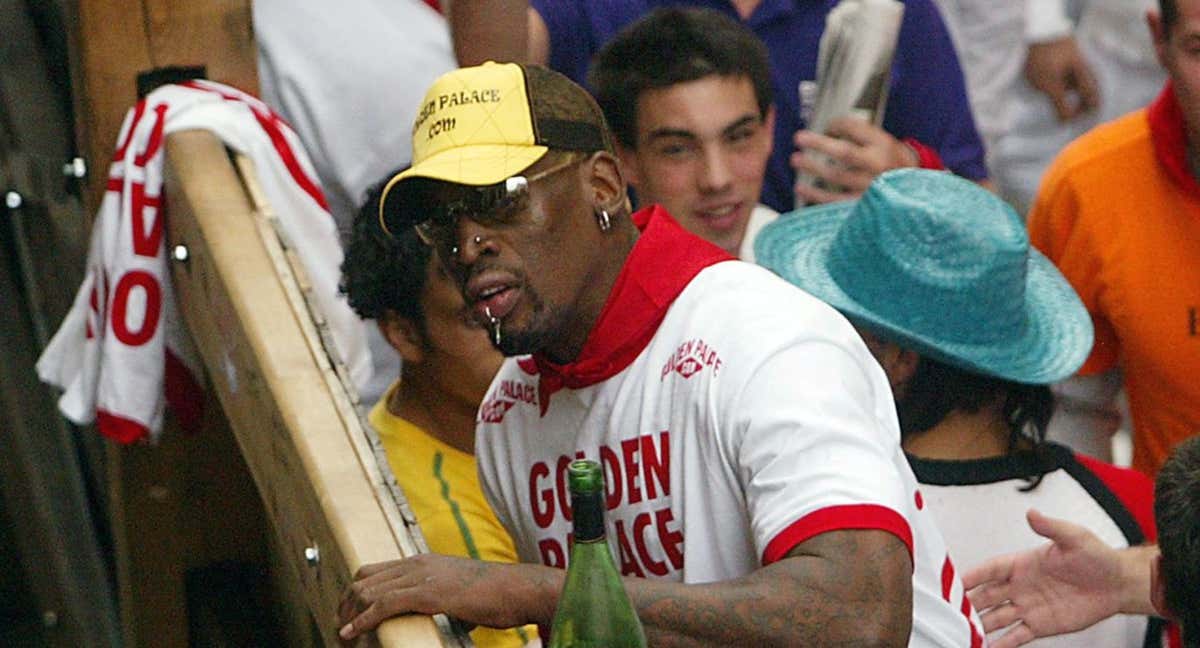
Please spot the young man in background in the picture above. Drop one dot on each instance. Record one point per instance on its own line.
(927, 102)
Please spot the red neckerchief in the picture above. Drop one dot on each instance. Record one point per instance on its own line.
(664, 260)
(1168, 131)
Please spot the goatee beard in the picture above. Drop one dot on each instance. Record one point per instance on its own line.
(546, 326)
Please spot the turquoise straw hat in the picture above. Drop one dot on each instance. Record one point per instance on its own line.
(940, 266)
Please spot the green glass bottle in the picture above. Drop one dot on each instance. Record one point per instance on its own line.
(594, 611)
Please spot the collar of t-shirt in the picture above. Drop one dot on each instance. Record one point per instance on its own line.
(1169, 133)
(664, 260)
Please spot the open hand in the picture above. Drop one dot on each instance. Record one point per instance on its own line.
(846, 159)
(1063, 586)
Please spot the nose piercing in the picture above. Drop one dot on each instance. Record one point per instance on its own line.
(478, 239)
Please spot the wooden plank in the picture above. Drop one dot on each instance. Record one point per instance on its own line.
(145, 507)
(156, 538)
(117, 39)
(112, 48)
(196, 506)
(112, 41)
(292, 428)
(217, 34)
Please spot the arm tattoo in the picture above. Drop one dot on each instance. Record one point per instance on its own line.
(838, 588)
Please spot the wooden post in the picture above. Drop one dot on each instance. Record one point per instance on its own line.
(242, 299)
(312, 483)
(118, 39)
(157, 533)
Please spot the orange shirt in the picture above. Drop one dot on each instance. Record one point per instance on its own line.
(1119, 213)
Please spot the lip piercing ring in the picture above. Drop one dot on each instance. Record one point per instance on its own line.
(495, 322)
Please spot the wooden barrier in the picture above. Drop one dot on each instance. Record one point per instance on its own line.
(115, 40)
(332, 505)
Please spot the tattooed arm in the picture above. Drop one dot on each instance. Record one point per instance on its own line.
(837, 588)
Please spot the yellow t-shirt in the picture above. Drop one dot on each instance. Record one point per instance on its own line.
(442, 489)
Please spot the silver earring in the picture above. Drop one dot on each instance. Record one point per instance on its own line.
(604, 220)
(454, 250)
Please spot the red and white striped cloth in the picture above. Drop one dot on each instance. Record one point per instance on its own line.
(122, 352)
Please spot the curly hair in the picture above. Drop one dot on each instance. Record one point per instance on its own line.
(936, 389)
(384, 275)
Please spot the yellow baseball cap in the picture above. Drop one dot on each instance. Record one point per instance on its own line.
(480, 125)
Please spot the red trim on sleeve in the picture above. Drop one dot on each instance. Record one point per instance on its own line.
(1135, 490)
(838, 518)
(927, 157)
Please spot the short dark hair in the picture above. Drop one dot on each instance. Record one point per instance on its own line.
(1169, 12)
(383, 274)
(1177, 516)
(670, 46)
(937, 388)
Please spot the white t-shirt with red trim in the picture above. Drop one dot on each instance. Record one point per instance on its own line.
(981, 509)
(749, 419)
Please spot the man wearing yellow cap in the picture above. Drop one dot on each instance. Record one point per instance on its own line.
(756, 493)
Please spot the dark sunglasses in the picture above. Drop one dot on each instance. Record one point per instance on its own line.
(499, 204)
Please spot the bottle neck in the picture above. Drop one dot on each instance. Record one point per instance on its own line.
(587, 512)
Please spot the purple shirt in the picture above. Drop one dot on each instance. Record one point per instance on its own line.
(928, 99)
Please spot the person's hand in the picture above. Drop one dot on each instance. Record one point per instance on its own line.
(1063, 586)
(497, 595)
(846, 159)
(1057, 69)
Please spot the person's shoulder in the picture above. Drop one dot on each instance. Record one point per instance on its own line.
(1134, 489)
(1104, 149)
(1094, 171)
(756, 310)
(752, 289)
(389, 425)
(1118, 477)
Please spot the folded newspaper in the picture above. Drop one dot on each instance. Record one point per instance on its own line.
(854, 65)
